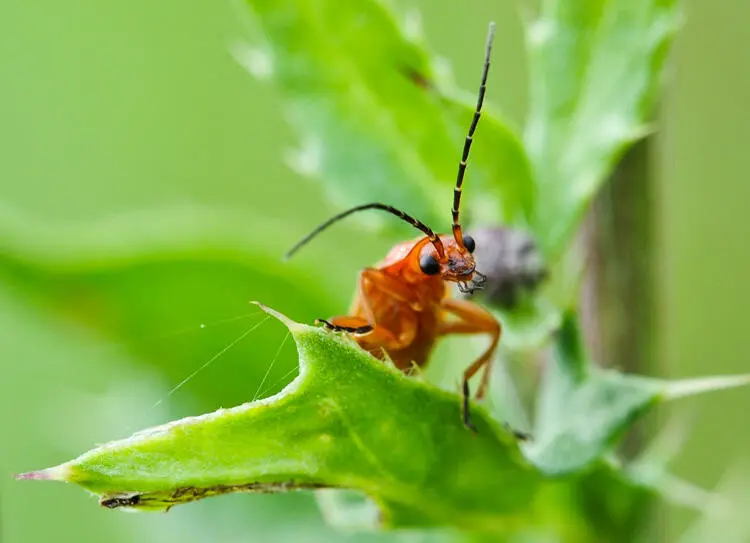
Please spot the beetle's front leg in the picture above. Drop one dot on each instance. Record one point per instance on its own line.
(472, 319)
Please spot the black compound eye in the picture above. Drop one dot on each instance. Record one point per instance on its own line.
(470, 244)
(429, 265)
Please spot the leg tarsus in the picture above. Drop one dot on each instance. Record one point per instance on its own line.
(465, 408)
(518, 434)
(358, 330)
(414, 370)
(325, 323)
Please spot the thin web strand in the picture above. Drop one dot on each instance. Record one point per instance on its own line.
(210, 361)
(270, 366)
(200, 326)
(280, 380)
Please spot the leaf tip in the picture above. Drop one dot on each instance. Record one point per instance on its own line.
(286, 321)
(56, 473)
(692, 387)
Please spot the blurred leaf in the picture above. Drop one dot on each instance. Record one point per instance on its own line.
(595, 70)
(650, 470)
(360, 95)
(728, 523)
(172, 289)
(399, 443)
(675, 490)
(582, 409)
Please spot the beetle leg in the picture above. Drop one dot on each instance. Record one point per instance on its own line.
(472, 319)
(371, 337)
(518, 434)
(359, 330)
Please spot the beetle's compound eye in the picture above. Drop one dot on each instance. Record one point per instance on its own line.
(429, 265)
(470, 244)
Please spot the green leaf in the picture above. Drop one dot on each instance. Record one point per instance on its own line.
(583, 409)
(595, 70)
(348, 421)
(373, 123)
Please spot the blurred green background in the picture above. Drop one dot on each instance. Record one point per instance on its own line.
(142, 172)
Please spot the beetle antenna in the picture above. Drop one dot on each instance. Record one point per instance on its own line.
(469, 138)
(390, 209)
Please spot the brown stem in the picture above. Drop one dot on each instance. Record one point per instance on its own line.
(617, 306)
(617, 298)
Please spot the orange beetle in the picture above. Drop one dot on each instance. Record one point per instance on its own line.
(402, 304)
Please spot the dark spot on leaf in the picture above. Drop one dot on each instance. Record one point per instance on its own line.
(418, 78)
(115, 502)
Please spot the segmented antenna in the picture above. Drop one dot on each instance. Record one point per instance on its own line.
(469, 138)
(390, 209)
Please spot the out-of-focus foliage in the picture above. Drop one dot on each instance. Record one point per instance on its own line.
(595, 75)
(360, 94)
(582, 409)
